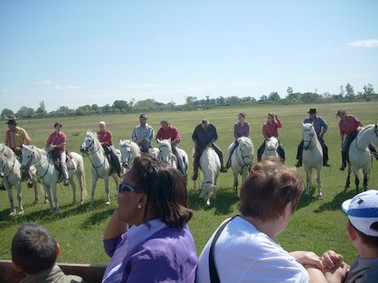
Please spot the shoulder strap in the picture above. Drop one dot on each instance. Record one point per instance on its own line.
(214, 277)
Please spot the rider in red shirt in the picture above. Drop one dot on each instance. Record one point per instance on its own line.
(56, 143)
(168, 131)
(105, 138)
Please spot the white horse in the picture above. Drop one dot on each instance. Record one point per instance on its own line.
(210, 167)
(312, 156)
(129, 150)
(166, 155)
(12, 177)
(359, 155)
(101, 167)
(241, 160)
(271, 146)
(49, 176)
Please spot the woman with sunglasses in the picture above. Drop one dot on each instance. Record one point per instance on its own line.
(153, 199)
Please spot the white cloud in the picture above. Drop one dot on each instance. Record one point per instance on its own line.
(367, 43)
(4, 90)
(43, 82)
(66, 87)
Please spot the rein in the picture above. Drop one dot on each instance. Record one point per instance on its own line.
(89, 153)
(241, 162)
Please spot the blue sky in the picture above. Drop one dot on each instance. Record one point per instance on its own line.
(73, 53)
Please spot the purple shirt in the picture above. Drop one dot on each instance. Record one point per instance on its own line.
(241, 130)
(152, 252)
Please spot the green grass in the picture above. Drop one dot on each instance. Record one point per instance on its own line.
(317, 225)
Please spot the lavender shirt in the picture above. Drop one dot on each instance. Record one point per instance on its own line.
(152, 252)
(241, 130)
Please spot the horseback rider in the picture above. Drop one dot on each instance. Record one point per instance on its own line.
(349, 127)
(56, 143)
(320, 127)
(168, 131)
(15, 137)
(205, 134)
(270, 129)
(143, 134)
(105, 138)
(241, 129)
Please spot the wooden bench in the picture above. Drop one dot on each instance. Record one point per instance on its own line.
(91, 273)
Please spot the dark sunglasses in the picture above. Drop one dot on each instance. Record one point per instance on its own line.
(127, 188)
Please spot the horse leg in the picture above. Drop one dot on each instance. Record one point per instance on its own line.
(19, 198)
(94, 182)
(106, 181)
(73, 185)
(320, 194)
(55, 195)
(308, 181)
(365, 180)
(8, 187)
(347, 183)
(236, 183)
(36, 197)
(357, 183)
(48, 191)
(83, 191)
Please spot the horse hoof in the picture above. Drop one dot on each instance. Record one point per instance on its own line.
(107, 203)
(21, 212)
(208, 203)
(320, 195)
(12, 214)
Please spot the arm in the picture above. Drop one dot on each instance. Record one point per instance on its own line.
(247, 131)
(235, 131)
(176, 136)
(159, 134)
(151, 134)
(215, 134)
(27, 139)
(115, 227)
(264, 132)
(278, 121)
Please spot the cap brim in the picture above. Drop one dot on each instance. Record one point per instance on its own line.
(345, 205)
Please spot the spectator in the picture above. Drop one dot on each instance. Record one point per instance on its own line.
(245, 250)
(34, 252)
(143, 134)
(159, 246)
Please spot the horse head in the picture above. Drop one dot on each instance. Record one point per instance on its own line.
(165, 150)
(246, 148)
(28, 156)
(129, 150)
(271, 146)
(308, 134)
(88, 142)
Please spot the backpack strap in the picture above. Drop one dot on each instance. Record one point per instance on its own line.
(214, 277)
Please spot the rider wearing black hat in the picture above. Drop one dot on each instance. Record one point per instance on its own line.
(320, 127)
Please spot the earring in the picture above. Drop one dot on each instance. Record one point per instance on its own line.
(139, 206)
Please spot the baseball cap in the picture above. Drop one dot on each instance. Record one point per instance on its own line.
(362, 211)
(102, 123)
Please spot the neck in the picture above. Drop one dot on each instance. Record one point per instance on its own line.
(268, 228)
(366, 252)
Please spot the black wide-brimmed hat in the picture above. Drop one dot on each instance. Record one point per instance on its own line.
(143, 116)
(312, 111)
(12, 122)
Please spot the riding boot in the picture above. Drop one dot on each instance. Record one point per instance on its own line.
(228, 164)
(195, 170)
(223, 169)
(343, 162)
(299, 154)
(259, 156)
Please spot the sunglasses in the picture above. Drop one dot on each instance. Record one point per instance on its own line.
(127, 188)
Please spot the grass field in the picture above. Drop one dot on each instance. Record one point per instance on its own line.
(318, 224)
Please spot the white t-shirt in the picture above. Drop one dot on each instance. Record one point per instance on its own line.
(244, 254)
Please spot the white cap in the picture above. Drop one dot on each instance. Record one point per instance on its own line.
(362, 211)
(102, 123)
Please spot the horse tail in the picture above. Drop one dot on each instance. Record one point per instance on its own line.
(81, 169)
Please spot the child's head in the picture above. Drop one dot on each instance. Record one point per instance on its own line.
(362, 211)
(33, 249)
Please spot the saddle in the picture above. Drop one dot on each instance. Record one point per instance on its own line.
(56, 160)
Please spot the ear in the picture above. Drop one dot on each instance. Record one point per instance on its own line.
(57, 250)
(142, 199)
(16, 267)
(353, 235)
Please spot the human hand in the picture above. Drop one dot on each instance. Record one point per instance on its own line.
(209, 144)
(307, 258)
(337, 275)
(51, 147)
(331, 260)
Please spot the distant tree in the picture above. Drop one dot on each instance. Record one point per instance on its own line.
(220, 100)
(83, 110)
(190, 100)
(233, 100)
(263, 98)
(121, 105)
(293, 97)
(349, 92)
(289, 91)
(41, 110)
(95, 108)
(7, 113)
(106, 109)
(146, 105)
(25, 112)
(273, 96)
(342, 92)
(310, 97)
(368, 92)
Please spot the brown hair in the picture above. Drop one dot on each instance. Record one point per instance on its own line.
(268, 188)
(165, 188)
(368, 240)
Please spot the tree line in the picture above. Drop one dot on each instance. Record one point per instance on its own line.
(346, 94)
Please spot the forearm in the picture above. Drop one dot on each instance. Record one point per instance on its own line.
(115, 227)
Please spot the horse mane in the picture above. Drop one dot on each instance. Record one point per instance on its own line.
(130, 143)
(8, 152)
(165, 143)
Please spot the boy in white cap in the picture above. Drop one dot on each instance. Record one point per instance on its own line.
(362, 228)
